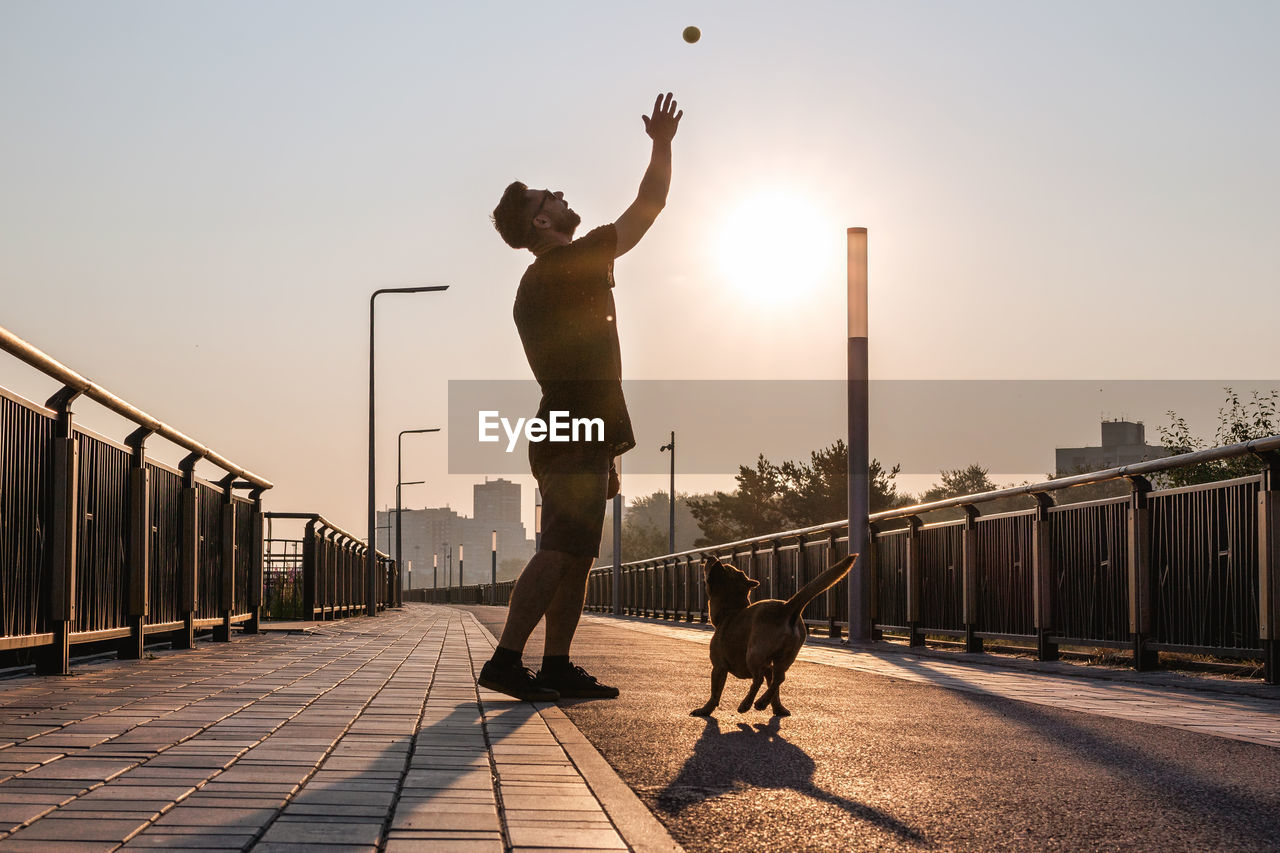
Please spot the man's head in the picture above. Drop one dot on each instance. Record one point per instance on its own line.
(524, 217)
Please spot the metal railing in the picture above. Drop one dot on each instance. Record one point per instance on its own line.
(99, 543)
(1194, 569)
(322, 575)
(481, 593)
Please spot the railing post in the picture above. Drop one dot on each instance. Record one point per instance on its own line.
(673, 571)
(1042, 579)
(690, 589)
(189, 555)
(774, 564)
(310, 570)
(703, 607)
(1269, 568)
(61, 593)
(652, 611)
(227, 583)
(1141, 577)
(969, 579)
(802, 571)
(646, 579)
(331, 575)
(670, 565)
(871, 553)
(661, 569)
(915, 584)
(355, 585)
(255, 564)
(753, 566)
(139, 539)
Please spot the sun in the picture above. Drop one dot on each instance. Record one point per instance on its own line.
(776, 245)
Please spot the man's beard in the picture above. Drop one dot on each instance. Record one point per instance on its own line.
(570, 223)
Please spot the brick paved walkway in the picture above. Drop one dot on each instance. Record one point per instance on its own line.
(361, 735)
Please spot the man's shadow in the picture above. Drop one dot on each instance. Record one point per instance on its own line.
(759, 757)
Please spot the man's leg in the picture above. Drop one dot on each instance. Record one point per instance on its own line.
(563, 614)
(537, 592)
(533, 593)
(566, 605)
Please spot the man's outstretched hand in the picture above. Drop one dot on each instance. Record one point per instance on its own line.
(662, 127)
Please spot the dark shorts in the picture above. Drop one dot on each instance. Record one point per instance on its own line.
(574, 480)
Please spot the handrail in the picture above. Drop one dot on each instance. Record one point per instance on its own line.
(1256, 446)
(322, 522)
(50, 366)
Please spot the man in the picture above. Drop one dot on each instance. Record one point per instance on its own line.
(565, 315)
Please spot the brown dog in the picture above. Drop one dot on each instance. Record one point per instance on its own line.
(757, 640)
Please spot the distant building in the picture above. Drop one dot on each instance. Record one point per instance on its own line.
(496, 500)
(439, 535)
(1123, 443)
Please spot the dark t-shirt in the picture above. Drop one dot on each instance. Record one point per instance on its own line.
(565, 315)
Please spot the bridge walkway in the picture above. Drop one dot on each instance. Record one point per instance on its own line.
(370, 734)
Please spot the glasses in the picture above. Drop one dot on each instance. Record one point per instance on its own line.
(546, 194)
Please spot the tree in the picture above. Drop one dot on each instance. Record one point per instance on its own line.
(771, 498)
(1238, 422)
(644, 527)
(641, 540)
(752, 509)
(961, 481)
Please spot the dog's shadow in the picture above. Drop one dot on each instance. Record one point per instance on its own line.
(759, 757)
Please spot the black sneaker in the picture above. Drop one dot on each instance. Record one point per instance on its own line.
(515, 681)
(575, 683)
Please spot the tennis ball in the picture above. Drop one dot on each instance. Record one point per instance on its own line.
(692, 34)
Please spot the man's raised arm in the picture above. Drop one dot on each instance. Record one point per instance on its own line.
(637, 218)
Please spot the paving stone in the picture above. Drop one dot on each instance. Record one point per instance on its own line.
(293, 847)
(13, 844)
(170, 842)
(193, 815)
(453, 819)
(310, 832)
(396, 844)
(78, 828)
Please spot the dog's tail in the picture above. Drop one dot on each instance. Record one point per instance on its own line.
(819, 585)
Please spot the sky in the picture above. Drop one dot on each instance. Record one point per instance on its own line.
(198, 199)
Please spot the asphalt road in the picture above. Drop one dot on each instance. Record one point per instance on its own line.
(874, 763)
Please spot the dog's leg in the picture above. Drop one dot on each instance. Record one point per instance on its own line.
(771, 696)
(769, 692)
(718, 677)
(745, 704)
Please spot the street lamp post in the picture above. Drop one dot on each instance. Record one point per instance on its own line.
(859, 461)
(371, 561)
(493, 568)
(400, 565)
(435, 575)
(460, 554)
(671, 529)
(399, 483)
